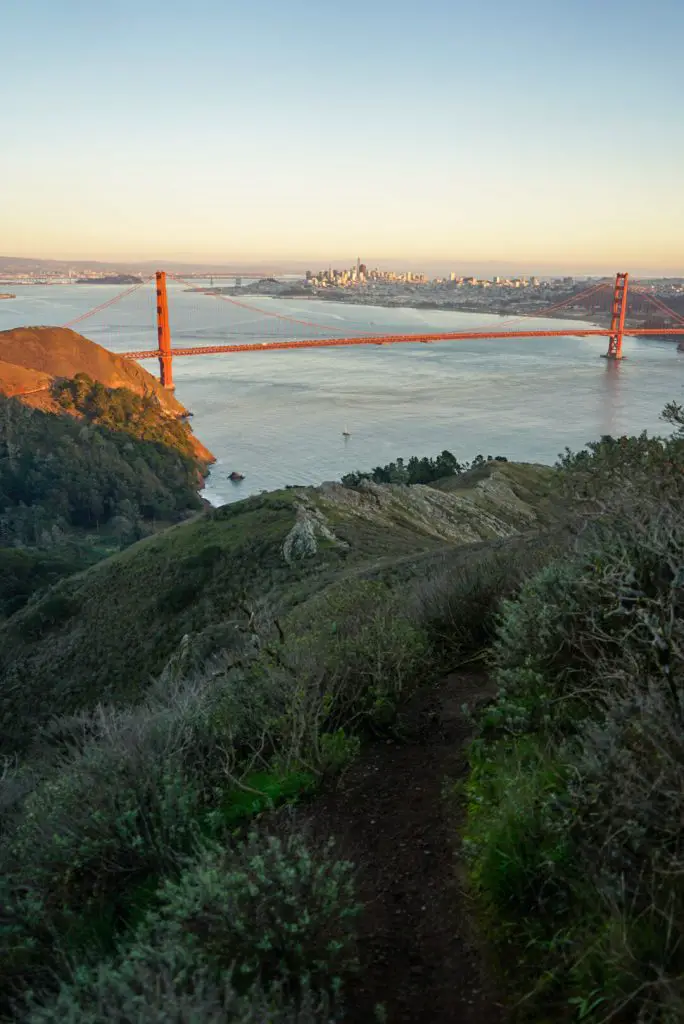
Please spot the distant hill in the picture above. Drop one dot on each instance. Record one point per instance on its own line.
(31, 358)
(111, 279)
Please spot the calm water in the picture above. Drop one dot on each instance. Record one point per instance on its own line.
(278, 417)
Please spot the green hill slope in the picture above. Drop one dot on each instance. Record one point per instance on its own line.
(102, 634)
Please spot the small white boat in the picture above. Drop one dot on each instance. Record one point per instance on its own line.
(345, 433)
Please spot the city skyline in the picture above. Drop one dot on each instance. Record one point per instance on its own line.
(495, 139)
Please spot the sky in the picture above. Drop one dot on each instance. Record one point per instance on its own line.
(524, 134)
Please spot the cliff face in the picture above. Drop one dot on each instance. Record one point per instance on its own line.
(32, 357)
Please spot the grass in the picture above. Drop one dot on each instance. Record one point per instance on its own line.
(102, 634)
(261, 791)
(138, 605)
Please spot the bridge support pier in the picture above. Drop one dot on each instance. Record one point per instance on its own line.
(164, 334)
(617, 322)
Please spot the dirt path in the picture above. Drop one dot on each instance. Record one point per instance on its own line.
(389, 816)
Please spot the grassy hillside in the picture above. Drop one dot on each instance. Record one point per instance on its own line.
(61, 352)
(32, 359)
(286, 631)
(158, 700)
(103, 633)
(18, 380)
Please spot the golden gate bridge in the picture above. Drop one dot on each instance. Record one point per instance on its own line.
(615, 333)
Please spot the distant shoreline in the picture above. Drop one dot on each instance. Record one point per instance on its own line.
(598, 319)
(601, 320)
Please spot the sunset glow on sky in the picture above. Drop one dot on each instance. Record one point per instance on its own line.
(530, 132)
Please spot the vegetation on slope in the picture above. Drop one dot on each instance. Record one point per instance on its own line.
(575, 832)
(267, 553)
(125, 807)
(120, 409)
(76, 489)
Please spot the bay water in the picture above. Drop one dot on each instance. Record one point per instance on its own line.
(279, 417)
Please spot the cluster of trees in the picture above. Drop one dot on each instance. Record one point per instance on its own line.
(59, 472)
(418, 471)
(120, 464)
(120, 409)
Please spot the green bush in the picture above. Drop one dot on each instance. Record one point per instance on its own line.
(85, 839)
(263, 930)
(517, 837)
(460, 604)
(168, 985)
(121, 800)
(341, 666)
(578, 772)
(124, 794)
(362, 652)
(270, 909)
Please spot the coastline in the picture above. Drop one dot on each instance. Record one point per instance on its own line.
(596, 318)
(602, 320)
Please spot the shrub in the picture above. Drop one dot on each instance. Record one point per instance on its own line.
(168, 986)
(86, 837)
(16, 782)
(121, 802)
(357, 660)
(584, 625)
(259, 931)
(460, 604)
(124, 796)
(269, 909)
(299, 703)
(626, 789)
(590, 663)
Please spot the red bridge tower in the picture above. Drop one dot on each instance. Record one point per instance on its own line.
(164, 334)
(617, 323)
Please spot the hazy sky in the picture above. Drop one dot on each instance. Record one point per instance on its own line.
(530, 131)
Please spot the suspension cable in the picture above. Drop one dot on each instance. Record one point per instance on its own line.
(105, 305)
(256, 309)
(640, 290)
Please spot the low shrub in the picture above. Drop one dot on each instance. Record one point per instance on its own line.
(270, 909)
(578, 772)
(517, 832)
(341, 670)
(121, 800)
(261, 930)
(460, 604)
(167, 985)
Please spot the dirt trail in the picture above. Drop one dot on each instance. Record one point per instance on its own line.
(417, 952)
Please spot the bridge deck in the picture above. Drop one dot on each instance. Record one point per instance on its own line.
(396, 339)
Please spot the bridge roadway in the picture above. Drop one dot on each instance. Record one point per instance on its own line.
(396, 339)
